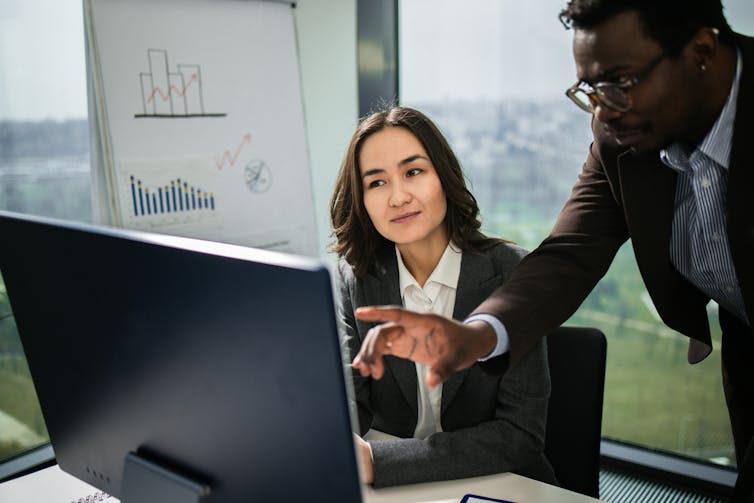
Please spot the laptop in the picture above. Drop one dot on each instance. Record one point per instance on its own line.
(176, 369)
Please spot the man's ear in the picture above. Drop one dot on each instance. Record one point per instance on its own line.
(703, 47)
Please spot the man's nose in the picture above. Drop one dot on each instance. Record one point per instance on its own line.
(605, 114)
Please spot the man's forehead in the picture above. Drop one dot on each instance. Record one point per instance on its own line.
(614, 46)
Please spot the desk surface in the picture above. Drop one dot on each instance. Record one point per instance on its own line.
(54, 485)
(506, 486)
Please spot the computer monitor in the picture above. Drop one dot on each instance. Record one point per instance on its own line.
(201, 363)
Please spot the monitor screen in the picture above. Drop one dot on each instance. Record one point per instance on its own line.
(218, 363)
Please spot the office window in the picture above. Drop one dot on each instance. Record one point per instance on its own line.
(492, 74)
(44, 166)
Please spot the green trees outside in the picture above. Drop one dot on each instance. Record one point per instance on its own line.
(21, 424)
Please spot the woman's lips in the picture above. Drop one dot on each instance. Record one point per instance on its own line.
(405, 217)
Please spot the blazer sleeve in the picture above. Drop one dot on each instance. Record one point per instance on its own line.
(552, 281)
(351, 344)
(513, 440)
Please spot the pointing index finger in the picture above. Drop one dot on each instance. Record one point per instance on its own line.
(379, 313)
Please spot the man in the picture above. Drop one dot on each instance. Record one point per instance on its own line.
(671, 90)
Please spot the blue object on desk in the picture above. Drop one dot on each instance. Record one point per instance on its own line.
(474, 498)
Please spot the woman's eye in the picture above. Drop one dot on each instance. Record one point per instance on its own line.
(375, 183)
(414, 171)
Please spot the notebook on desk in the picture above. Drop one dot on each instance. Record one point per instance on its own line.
(210, 364)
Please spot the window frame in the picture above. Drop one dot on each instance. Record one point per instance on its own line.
(27, 462)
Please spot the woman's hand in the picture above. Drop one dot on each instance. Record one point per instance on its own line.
(365, 454)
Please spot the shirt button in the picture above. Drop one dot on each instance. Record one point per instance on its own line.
(716, 236)
(705, 183)
(728, 289)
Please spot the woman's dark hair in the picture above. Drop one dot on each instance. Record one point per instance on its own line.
(356, 239)
(672, 23)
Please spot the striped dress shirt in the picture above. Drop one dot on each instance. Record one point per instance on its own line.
(699, 246)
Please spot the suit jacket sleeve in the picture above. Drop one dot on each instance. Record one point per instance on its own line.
(551, 282)
(513, 440)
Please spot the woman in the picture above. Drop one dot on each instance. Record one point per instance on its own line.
(407, 232)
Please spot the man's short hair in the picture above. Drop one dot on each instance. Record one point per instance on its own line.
(672, 23)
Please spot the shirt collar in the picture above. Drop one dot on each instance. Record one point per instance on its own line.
(717, 143)
(446, 271)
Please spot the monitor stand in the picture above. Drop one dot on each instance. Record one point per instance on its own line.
(145, 481)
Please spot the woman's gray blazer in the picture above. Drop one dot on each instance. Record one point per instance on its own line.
(491, 424)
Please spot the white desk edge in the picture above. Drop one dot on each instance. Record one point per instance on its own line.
(54, 485)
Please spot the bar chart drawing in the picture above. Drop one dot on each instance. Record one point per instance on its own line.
(166, 94)
(176, 197)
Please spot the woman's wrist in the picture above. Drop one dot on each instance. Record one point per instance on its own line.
(367, 464)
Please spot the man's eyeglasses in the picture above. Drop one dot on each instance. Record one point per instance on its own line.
(613, 95)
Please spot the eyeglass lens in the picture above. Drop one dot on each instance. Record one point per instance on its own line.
(613, 96)
(608, 95)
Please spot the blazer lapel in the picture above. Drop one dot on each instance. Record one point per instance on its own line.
(476, 282)
(382, 287)
(648, 191)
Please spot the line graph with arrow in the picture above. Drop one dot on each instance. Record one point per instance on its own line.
(229, 158)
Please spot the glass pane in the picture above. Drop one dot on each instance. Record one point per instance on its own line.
(496, 87)
(44, 166)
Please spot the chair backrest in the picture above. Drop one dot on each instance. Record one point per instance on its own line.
(574, 419)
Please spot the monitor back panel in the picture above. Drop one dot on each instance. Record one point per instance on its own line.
(224, 367)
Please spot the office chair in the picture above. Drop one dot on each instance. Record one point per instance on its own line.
(574, 419)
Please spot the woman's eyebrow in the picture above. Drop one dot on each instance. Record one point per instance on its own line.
(411, 159)
(407, 160)
(372, 172)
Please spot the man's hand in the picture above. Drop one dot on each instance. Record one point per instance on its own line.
(445, 345)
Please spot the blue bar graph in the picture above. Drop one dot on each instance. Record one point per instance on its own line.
(179, 196)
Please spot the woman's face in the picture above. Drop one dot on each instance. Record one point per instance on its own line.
(402, 192)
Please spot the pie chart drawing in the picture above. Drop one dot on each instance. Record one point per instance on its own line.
(257, 176)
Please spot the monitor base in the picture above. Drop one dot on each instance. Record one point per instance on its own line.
(144, 481)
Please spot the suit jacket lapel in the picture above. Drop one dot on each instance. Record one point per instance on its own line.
(382, 287)
(476, 282)
(648, 192)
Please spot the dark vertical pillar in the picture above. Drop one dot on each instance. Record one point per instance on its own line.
(377, 53)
